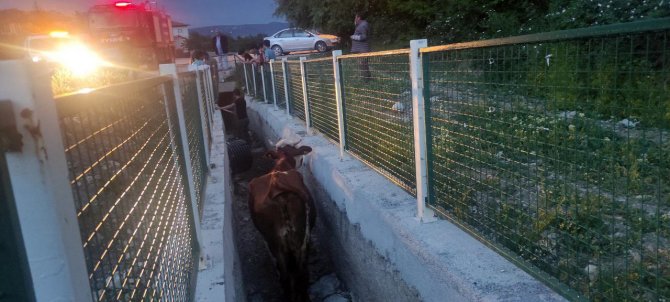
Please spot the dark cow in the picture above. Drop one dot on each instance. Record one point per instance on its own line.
(283, 211)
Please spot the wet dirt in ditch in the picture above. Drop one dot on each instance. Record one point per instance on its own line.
(259, 274)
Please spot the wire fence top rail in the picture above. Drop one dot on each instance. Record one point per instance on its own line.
(319, 59)
(115, 88)
(375, 54)
(589, 32)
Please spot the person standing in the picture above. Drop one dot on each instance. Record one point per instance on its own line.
(268, 52)
(239, 109)
(360, 44)
(220, 45)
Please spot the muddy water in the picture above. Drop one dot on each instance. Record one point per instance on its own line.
(258, 270)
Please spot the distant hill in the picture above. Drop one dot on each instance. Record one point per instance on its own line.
(244, 30)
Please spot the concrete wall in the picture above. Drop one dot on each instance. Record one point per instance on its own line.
(380, 250)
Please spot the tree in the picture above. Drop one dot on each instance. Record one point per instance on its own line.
(197, 41)
(448, 21)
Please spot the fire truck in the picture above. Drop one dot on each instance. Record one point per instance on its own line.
(131, 35)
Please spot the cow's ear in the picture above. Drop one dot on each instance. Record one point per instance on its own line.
(305, 149)
(271, 154)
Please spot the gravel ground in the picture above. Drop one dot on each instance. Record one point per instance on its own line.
(258, 270)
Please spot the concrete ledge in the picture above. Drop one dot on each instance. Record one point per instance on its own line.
(221, 279)
(381, 251)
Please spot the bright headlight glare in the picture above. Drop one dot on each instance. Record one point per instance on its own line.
(77, 58)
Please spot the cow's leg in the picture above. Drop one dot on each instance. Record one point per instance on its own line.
(295, 239)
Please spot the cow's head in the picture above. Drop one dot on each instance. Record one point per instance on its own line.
(288, 157)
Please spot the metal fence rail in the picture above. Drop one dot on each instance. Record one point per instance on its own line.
(126, 175)
(557, 151)
(321, 97)
(378, 115)
(194, 134)
(296, 97)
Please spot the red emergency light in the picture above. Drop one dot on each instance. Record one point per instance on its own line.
(123, 4)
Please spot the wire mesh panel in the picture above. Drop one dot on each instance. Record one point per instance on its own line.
(238, 75)
(278, 71)
(203, 74)
(296, 97)
(321, 92)
(378, 115)
(127, 178)
(558, 152)
(258, 92)
(192, 117)
(248, 78)
(268, 83)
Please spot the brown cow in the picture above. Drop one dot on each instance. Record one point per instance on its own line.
(283, 211)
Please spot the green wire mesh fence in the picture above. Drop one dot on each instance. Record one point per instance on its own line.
(269, 97)
(297, 105)
(378, 115)
(551, 148)
(205, 100)
(257, 81)
(278, 70)
(321, 97)
(194, 134)
(131, 196)
(238, 75)
(558, 152)
(248, 78)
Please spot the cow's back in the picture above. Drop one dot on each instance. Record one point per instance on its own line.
(282, 211)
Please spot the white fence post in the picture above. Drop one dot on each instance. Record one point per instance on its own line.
(272, 80)
(45, 203)
(253, 76)
(419, 115)
(246, 78)
(339, 99)
(202, 98)
(265, 94)
(308, 121)
(284, 65)
(171, 69)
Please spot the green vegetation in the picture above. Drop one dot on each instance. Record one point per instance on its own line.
(395, 22)
(198, 41)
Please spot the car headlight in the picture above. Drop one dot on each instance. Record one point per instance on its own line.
(76, 57)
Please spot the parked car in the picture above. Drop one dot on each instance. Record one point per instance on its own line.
(297, 39)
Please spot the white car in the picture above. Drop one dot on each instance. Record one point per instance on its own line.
(297, 39)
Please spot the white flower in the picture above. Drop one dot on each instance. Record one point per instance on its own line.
(571, 127)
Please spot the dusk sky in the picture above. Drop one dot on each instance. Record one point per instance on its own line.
(194, 12)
